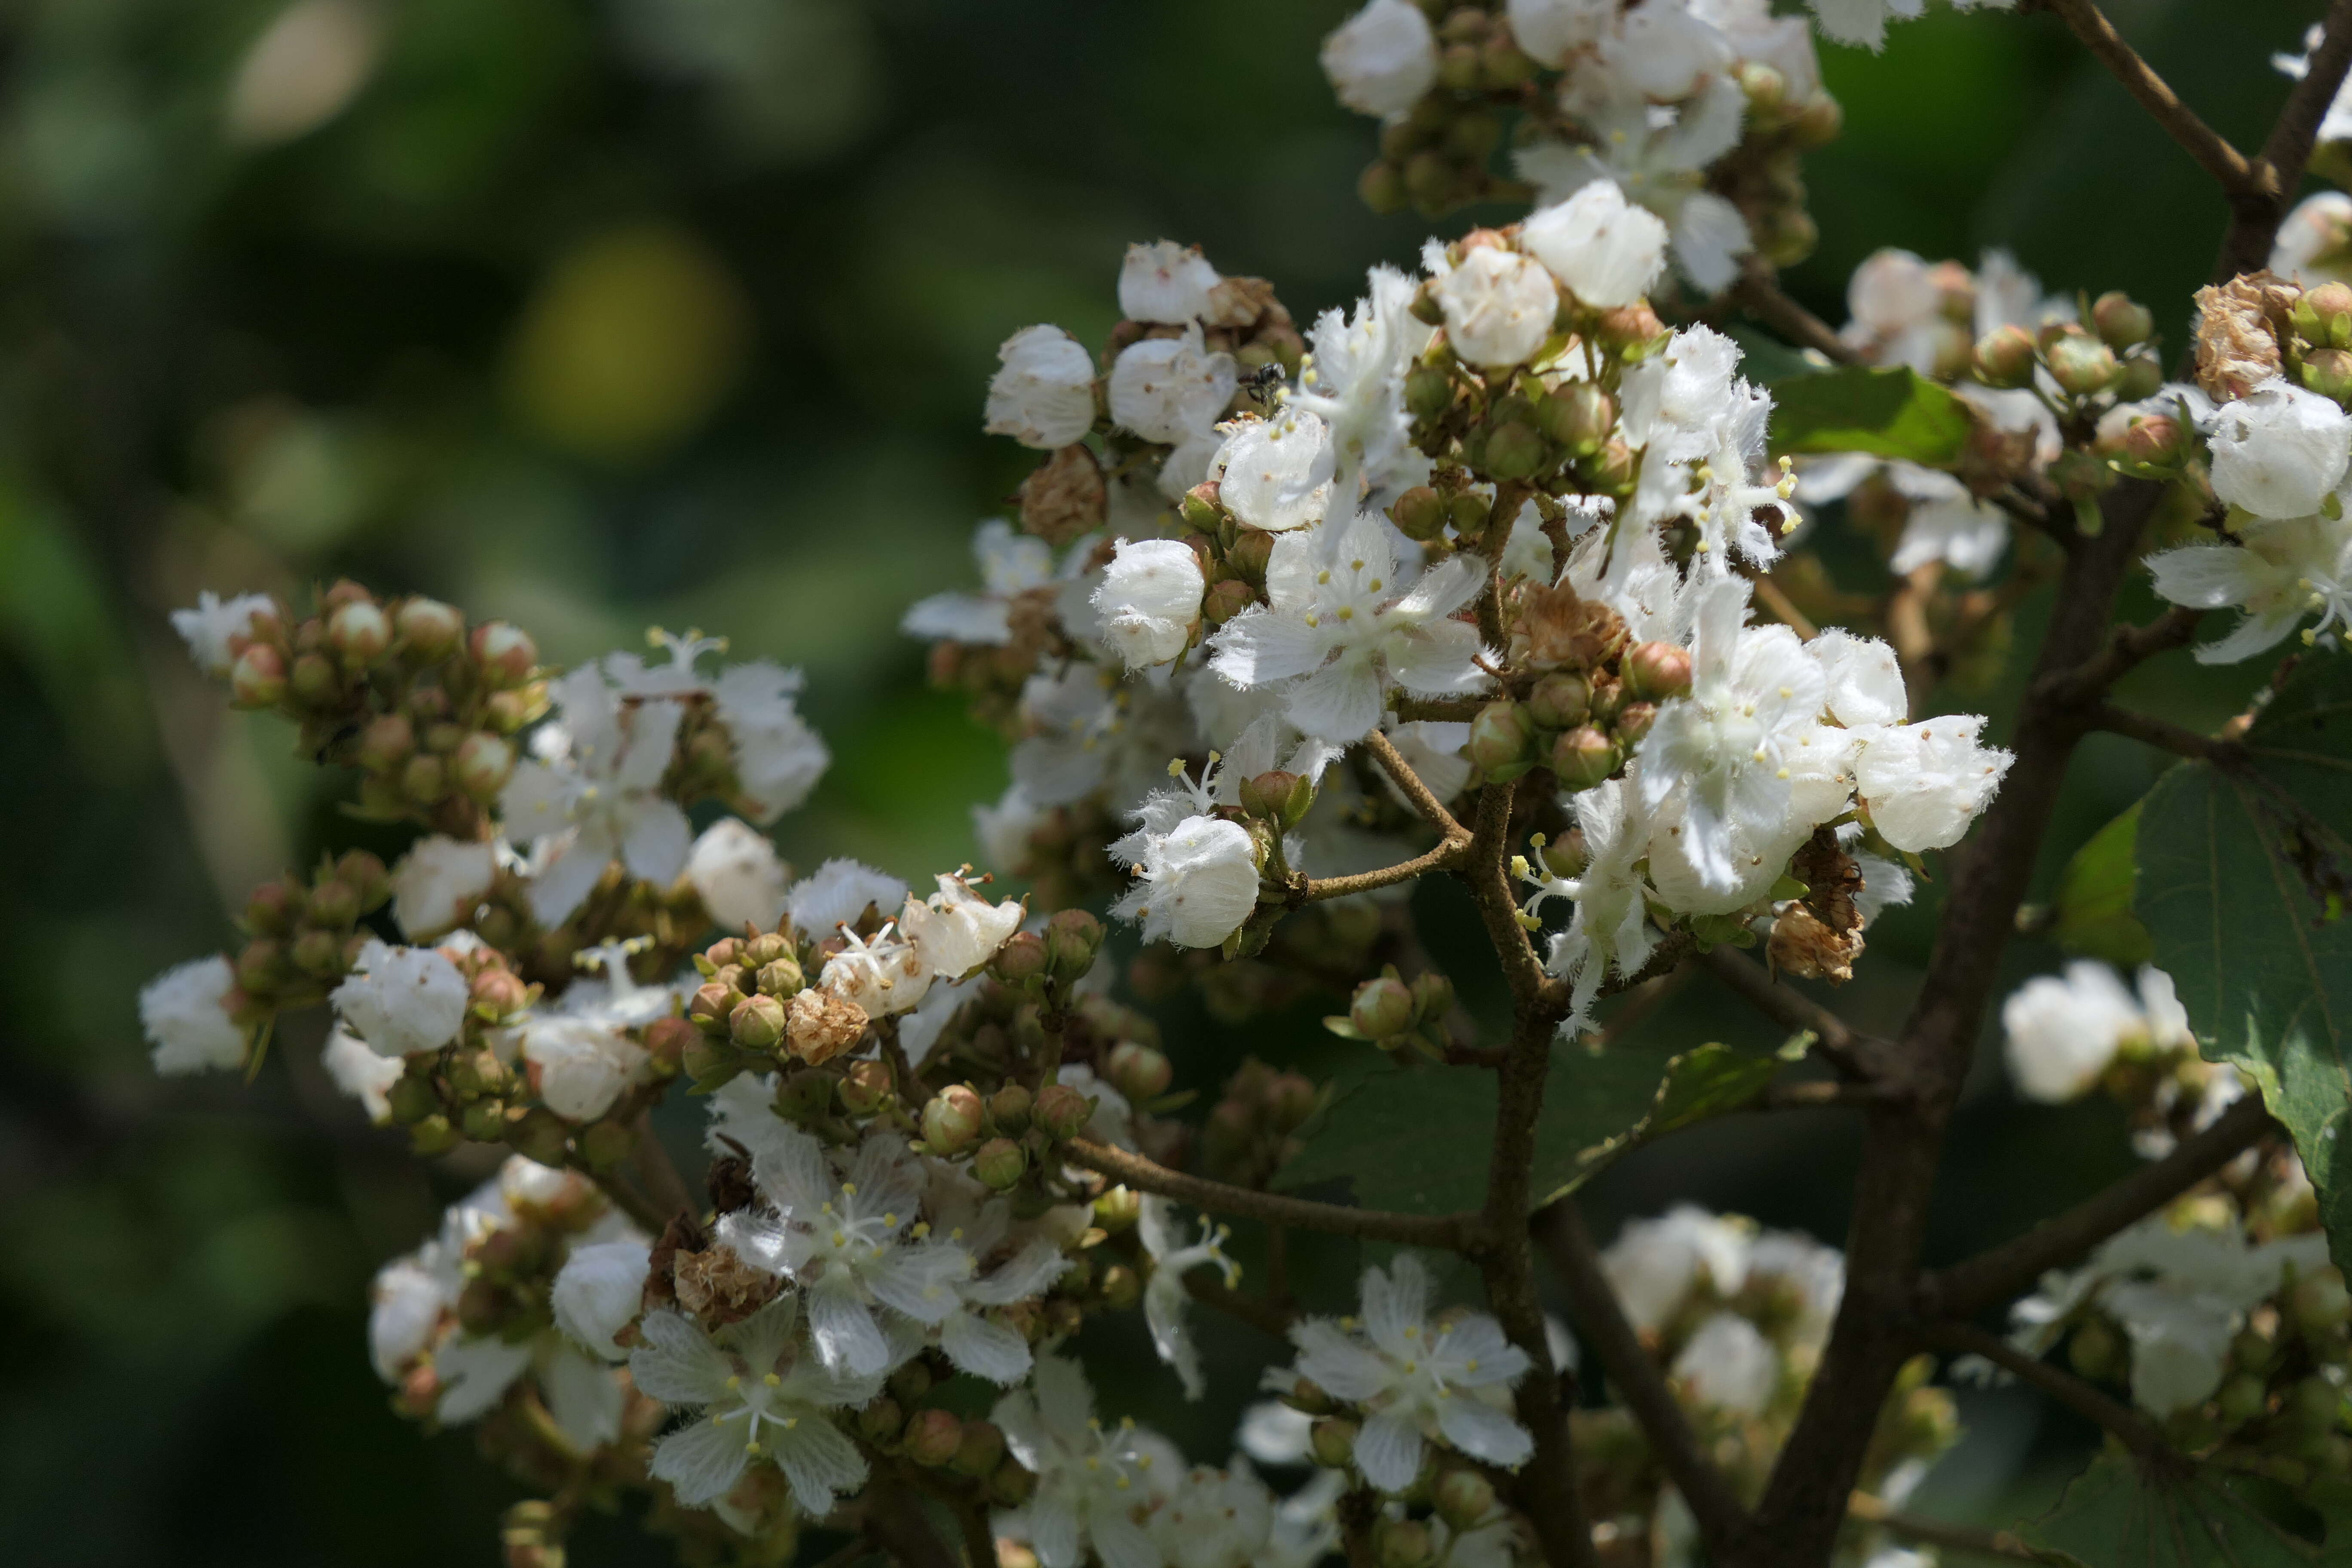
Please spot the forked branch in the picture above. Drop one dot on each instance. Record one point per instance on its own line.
(1452, 1232)
(2241, 178)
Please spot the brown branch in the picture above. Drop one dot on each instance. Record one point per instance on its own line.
(2239, 177)
(1640, 1385)
(1309, 890)
(2163, 735)
(1269, 1317)
(2125, 649)
(2253, 227)
(1454, 1232)
(1409, 782)
(1445, 709)
(1759, 295)
(1484, 870)
(1947, 1535)
(1853, 1052)
(648, 1214)
(1968, 1287)
(1783, 609)
(2133, 1430)
(1908, 629)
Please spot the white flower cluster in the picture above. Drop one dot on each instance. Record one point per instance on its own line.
(2063, 1031)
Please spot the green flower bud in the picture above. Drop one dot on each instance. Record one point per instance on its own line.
(1632, 724)
(1468, 512)
(429, 630)
(1818, 123)
(540, 1134)
(1331, 1441)
(1278, 797)
(424, 780)
(1122, 1287)
(1502, 67)
(1117, 1210)
(1428, 391)
(2313, 1405)
(1656, 670)
(980, 1449)
(1418, 513)
(1073, 937)
(482, 764)
(1463, 1497)
(1515, 451)
(2154, 442)
(1381, 187)
(2319, 1302)
(334, 904)
(1501, 736)
(1610, 471)
(2081, 365)
(1630, 331)
(1560, 702)
(2141, 378)
(359, 634)
(2121, 322)
(2244, 1398)
(2323, 318)
(864, 1088)
(880, 1421)
(1139, 1072)
(999, 1163)
(1382, 1009)
(2328, 371)
(318, 953)
(1226, 597)
(1583, 757)
(604, 1144)
(505, 654)
(1579, 416)
(257, 679)
(483, 1121)
(1403, 1543)
(1251, 549)
(2255, 1351)
(1289, 1100)
(433, 1135)
(2094, 1350)
(1021, 960)
(2005, 357)
(667, 1041)
(1009, 1107)
(313, 680)
(782, 978)
(1010, 1486)
(952, 1119)
(1432, 996)
(757, 1022)
(932, 1436)
(1062, 1110)
(386, 742)
(713, 1005)
(412, 1097)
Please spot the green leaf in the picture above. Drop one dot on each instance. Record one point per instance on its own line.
(2091, 913)
(2115, 1515)
(2244, 870)
(1885, 412)
(1416, 1141)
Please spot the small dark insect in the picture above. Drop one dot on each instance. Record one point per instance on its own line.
(1263, 382)
(335, 742)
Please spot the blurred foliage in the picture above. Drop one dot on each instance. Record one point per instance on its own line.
(598, 314)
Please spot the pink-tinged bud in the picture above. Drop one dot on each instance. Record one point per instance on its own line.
(1227, 598)
(1628, 329)
(712, 1005)
(782, 978)
(2324, 316)
(386, 743)
(429, 630)
(1332, 1441)
(1201, 507)
(1583, 757)
(498, 994)
(1634, 721)
(1579, 416)
(2121, 322)
(757, 1022)
(1252, 548)
(1418, 513)
(2005, 357)
(482, 764)
(424, 780)
(504, 712)
(345, 592)
(1656, 670)
(273, 908)
(2154, 441)
(358, 633)
(1009, 1107)
(313, 680)
(334, 903)
(1061, 1110)
(1403, 1543)
(1021, 960)
(952, 1119)
(475, 1073)
(261, 967)
(1289, 1100)
(666, 1040)
(1501, 736)
(319, 954)
(864, 1088)
(1463, 1498)
(1139, 1072)
(1073, 937)
(980, 1449)
(757, 952)
(1560, 702)
(1432, 996)
(1278, 797)
(1610, 471)
(1000, 1164)
(2328, 371)
(2081, 365)
(257, 679)
(505, 654)
(1382, 1009)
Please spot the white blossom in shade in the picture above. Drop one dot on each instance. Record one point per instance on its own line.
(1197, 880)
(1151, 600)
(207, 628)
(361, 1073)
(1417, 1380)
(881, 974)
(956, 930)
(2063, 1031)
(1382, 59)
(1044, 391)
(1654, 1264)
(1729, 1365)
(1610, 930)
(1215, 1519)
(1094, 1481)
(439, 883)
(1606, 250)
(598, 1292)
(1164, 1299)
(1896, 312)
(1926, 782)
(1740, 509)
(402, 1000)
(1666, 52)
(852, 1241)
(1273, 1433)
(2315, 243)
(1339, 614)
(1011, 564)
(1276, 474)
(184, 1012)
(778, 758)
(980, 1344)
(738, 875)
(1866, 680)
(756, 1391)
(1003, 830)
(1547, 30)
(579, 1066)
(1725, 748)
(593, 795)
(1354, 380)
(1171, 389)
(2278, 571)
(2279, 450)
(1965, 534)
(405, 1301)
(1862, 22)
(1165, 282)
(1659, 157)
(1498, 306)
(837, 894)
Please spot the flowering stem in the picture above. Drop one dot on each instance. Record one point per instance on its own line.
(1401, 772)
(1266, 1316)
(2133, 1430)
(1452, 1232)
(2240, 179)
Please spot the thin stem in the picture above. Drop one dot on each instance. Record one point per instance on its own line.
(1401, 774)
(2127, 649)
(1266, 1316)
(1775, 598)
(2239, 177)
(2163, 735)
(1484, 870)
(1447, 709)
(1309, 890)
(631, 1202)
(1639, 1382)
(1834, 1039)
(664, 1184)
(1969, 1287)
(1759, 295)
(1948, 1535)
(2133, 1430)
(2253, 227)
(1908, 629)
(1452, 1232)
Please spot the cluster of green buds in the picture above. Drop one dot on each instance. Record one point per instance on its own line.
(1438, 156)
(470, 1091)
(968, 1455)
(1251, 1129)
(303, 937)
(1583, 725)
(1764, 176)
(1010, 1132)
(1234, 555)
(1396, 1014)
(2083, 371)
(755, 1010)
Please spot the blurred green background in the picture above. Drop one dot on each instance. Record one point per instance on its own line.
(602, 314)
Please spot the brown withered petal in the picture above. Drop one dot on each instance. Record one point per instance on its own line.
(1565, 631)
(819, 1026)
(2240, 326)
(1802, 946)
(1064, 497)
(720, 1288)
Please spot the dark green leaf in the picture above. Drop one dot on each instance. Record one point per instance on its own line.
(1415, 1139)
(2242, 875)
(2116, 1516)
(1885, 412)
(2093, 911)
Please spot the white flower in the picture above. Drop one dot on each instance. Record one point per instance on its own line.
(956, 930)
(1165, 282)
(2279, 572)
(882, 973)
(594, 797)
(1730, 1365)
(1654, 1264)
(1965, 534)
(1274, 1433)
(1610, 930)
(852, 1241)
(1276, 474)
(2315, 243)
(778, 758)
(1354, 380)
(1866, 680)
(1343, 618)
(207, 628)
(837, 894)
(1416, 1380)
(1547, 30)
(1164, 1298)
(756, 1393)
(582, 1066)
(599, 1291)
(1607, 251)
(738, 875)
(1726, 749)
(980, 1344)
(1011, 564)
(439, 883)
(1381, 60)
(1897, 310)
(403, 1000)
(1093, 1480)
(1926, 782)
(1043, 394)
(361, 1073)
(1171, 389)
(1660, 159)
(1198, 881)
(2062, 1032)
(1151, 600)
(2278, 450)
(1003, 830)
(1863, 22)
(1217, 1519)
(183, 1011)
(1498, 306)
